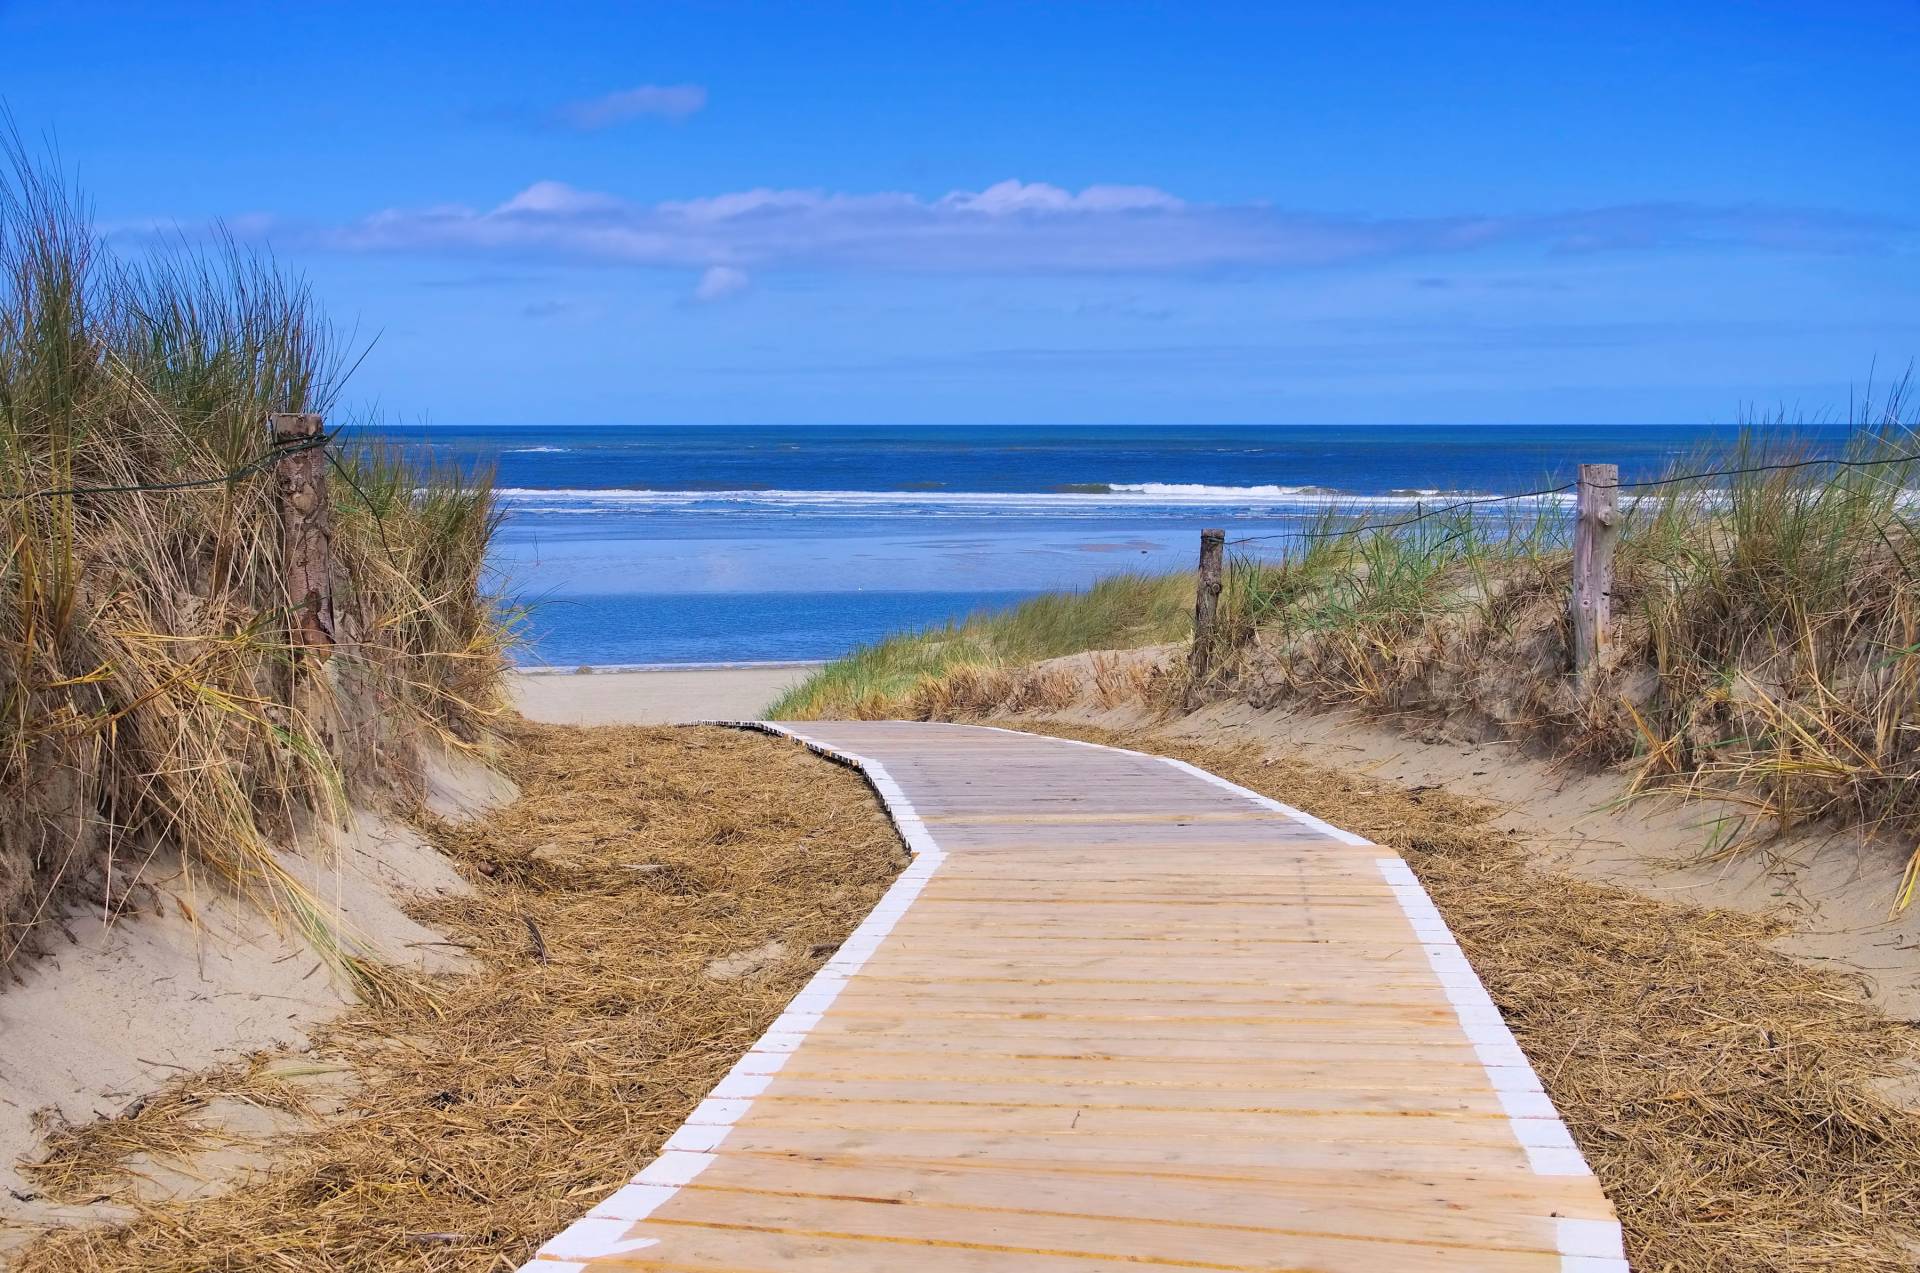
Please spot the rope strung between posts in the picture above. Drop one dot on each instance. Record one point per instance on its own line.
(1908, 458)
(379, 518)
(252, 466)
(1772, 468)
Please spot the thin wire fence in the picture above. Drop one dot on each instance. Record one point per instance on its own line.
(272, 456)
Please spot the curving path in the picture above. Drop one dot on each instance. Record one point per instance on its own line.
(1118, 1014)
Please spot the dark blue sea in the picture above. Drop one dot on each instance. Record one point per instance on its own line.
(669, 545)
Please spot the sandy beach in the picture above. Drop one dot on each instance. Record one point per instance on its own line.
(653, 697)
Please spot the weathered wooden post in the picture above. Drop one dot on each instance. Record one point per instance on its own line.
(1206, 610)
(1596, 527)
(306, 528)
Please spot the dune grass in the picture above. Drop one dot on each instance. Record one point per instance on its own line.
(1120, 612)
(1781, 536)
(148, 691)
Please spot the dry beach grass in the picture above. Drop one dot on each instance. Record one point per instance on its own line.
(640, 915)
(150, 696)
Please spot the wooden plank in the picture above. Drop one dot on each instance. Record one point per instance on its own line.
(1102, 1044)
(1231, 1154)
(1438, 1072)
(1292, 1204)
(916, 1232)
(1102, 997)
(1280, 1197)
(1398, 1094)
(745, 1248)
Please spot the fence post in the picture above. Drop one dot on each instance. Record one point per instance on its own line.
(306, 530)
(1595, 529)
(1206, 609)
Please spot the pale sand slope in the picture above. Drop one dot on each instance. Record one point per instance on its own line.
(667, 697)
(195, 977)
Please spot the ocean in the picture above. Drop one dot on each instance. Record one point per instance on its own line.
(636, 546)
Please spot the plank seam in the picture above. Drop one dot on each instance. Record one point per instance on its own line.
(604, 1230)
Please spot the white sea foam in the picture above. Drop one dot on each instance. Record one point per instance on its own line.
(1122, 499)
(538, 450)
(1194, 490)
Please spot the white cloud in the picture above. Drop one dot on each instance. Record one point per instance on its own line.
(558, 198)
(1025, 227)
(745, 203)
(720, 282)
(1019, 196)
(660, 101)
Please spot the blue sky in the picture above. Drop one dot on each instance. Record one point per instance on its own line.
(598, 213)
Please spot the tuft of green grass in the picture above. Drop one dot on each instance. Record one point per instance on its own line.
(1121, 611)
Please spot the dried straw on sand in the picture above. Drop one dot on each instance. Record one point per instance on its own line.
(642, 913)
(1734, 1102)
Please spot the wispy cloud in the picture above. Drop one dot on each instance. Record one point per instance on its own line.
(718, 283)
(1016, 226)
(658, 101)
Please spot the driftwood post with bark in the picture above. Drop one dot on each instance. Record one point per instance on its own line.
(1206, 610)
(1596, 528)
(306, 529)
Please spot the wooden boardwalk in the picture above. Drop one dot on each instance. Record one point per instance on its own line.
(1117, 1014)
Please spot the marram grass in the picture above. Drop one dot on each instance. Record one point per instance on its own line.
(149, 698)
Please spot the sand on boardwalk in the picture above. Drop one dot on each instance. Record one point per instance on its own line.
(663, 696)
